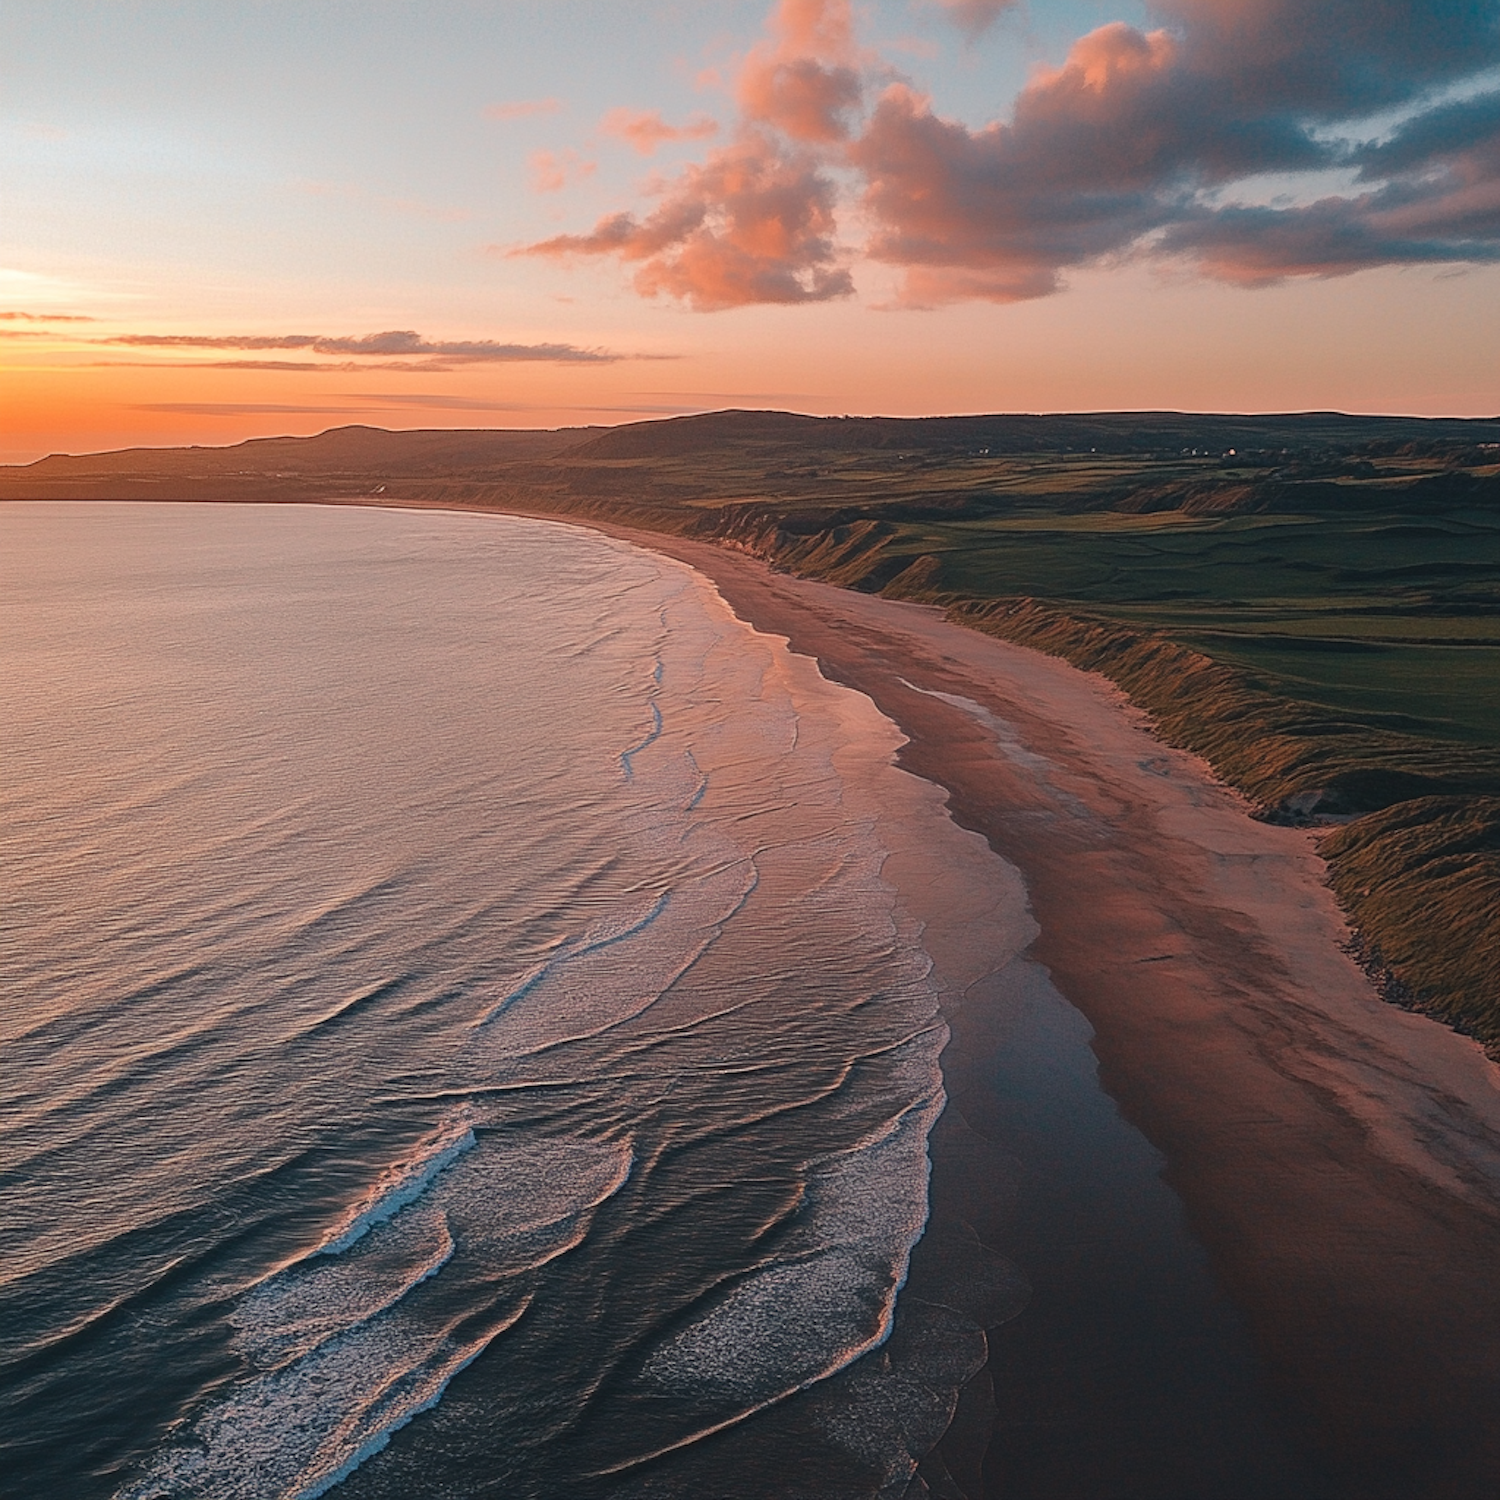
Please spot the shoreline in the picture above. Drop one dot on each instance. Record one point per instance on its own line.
(1338, 1158)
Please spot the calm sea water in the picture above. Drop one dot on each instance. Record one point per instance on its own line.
(459, 1039)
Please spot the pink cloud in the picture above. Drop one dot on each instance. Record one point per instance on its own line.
(998, 213)
(31, 317)
(398, 341)
(1120, 151)
(645, 130)
(804, 80)
(754, 223)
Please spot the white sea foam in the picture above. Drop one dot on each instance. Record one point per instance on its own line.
(298, 1431)
(289, 1315)
(831, 1294)
(627, 757)
(352, 1348)
(400, 1184)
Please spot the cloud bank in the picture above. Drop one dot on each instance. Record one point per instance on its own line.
(1152, 145)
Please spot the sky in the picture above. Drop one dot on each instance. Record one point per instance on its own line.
(229, 218)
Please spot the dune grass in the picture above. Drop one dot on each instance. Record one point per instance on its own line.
(1421, 881)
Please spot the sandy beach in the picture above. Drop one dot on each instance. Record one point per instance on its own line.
(1338, 1158)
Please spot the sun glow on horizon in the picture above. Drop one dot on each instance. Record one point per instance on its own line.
(902, 209)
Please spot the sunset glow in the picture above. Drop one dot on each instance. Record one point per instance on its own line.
(243, 219)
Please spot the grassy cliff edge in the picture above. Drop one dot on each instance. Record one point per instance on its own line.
(1417, 864)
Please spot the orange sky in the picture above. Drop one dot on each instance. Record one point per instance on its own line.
(567, 217)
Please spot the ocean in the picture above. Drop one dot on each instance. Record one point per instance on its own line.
(460, 1035)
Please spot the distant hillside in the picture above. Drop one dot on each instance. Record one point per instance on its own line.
(361, 452)
(1103, 432)
(341, 450)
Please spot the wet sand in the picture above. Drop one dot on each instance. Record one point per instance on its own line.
(1339, 1159)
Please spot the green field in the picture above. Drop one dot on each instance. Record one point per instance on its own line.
(1396, 622)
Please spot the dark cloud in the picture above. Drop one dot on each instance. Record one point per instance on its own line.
(394, 342)
(1331, 59)
(292, 366)
(1333, 237)
(993, 214)
(1131, 145)
(1446, 137)
(1435, 200)
(1142, 144)
(300, 366)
